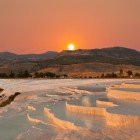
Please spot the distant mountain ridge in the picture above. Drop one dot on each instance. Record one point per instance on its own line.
(81, 57)
(12, 57)
(114, 55)
(114, 52)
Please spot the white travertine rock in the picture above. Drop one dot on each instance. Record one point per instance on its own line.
(7, 92)
(111, 118)
(119, 94)
(120, 120)
(33, 120)
(127, 86)
(105, 103)
(29, 107)
(60, 123)
(36, 121)
(85, 110)
(131, 85)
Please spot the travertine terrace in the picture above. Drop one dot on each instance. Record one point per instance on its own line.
(70, 109)
(123, 91)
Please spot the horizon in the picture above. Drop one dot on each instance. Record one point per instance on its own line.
(40, 26)
(68, 50)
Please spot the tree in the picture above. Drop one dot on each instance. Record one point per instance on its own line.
(58, 76)
(121, 72)
(20, 74)
(112, 75)
(102, 76)
(129, 73)
(12, 75)
(50, 74)
(3, 75)
(137, 75)
(36, 74)
(26, 74)
(41, 75)
(65, 75)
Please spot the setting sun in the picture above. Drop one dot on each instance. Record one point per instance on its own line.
(71, 47)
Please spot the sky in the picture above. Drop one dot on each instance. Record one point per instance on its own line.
(36, 26)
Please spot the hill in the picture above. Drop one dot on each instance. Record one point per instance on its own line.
(115, 55)
(114, 52)
(7, 56)
(89, 61)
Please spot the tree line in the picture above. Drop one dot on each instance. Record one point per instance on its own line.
(48, 75)
(21, 74)
(26, 74)
(121, 74)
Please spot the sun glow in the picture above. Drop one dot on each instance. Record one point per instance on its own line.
(71, 47)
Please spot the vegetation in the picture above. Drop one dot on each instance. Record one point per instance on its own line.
(120, 75)
(102, 76)
(39, 75)
(65, 75)
(129, 73)
(112, 75)
(46, 75)
(137, 75)
(1, 89)
(121, 72)
(3, 75)
(50, 75)
(26, 74)
(12, 75)
(109, 75)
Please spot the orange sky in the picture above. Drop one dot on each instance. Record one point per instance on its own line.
(35, 26)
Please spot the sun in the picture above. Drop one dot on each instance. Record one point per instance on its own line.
(71, 47)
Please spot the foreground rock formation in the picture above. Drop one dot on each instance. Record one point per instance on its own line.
(126, 91)
(6, 97)
(112, 118)
(105, 108)
(58, 122)
(73, 109)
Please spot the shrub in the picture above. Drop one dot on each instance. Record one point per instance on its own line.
(3, 75)
(137, 75)
(102, 76)
(24, 74)
(12, 75)
(50, 74)
(112, 75)
(129, 73)
(121, 72)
